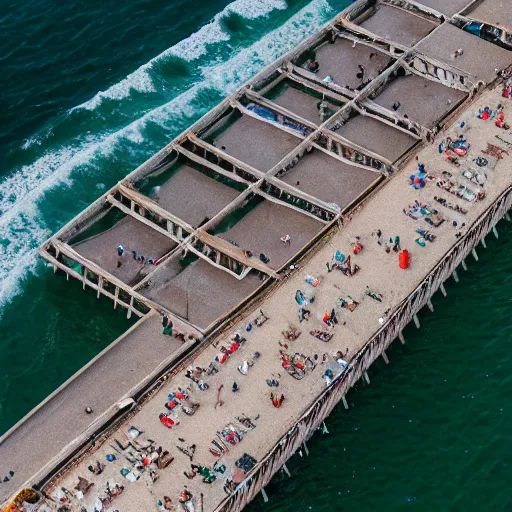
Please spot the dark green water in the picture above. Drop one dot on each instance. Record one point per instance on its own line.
(433, 429)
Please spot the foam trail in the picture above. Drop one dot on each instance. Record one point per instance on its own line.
(189, 49)
(20, 225)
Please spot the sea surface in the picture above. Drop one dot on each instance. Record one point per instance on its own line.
(92, 89)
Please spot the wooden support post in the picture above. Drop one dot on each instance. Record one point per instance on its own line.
(416, 321)
(455, 276)
(483, 242)
(464, 266)
(443, 290)
(286, 470)
(264, 494)
(385, 357)
(306, 448)
(345, 403)
(324, 428)
(430, 305)
(507, 216)
(129, 314)
(401, 337)
(475, 255)
(495, 231)
(116, 295)
(100, 286)
(366, 378)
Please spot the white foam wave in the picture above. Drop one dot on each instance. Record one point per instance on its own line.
(189, 49)
(19, 223)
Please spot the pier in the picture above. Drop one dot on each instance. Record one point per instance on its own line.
(236, 215)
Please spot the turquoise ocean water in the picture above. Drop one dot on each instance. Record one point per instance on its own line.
(91, 90)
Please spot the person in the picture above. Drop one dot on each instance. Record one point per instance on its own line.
(360, 74)
(244, 367)
(286, 239)
(396, 244)
(396, 105)
(120, 255)
(185, 496)
(235, 387)
(277, 400)
(168, 503)
(313, 66)
(167, 420)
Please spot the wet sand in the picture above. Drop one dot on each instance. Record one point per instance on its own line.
(132, 235)
(302, 104)
(378, 269)
(201, 293)
(494, 12)
(331, 180)
(341, 60)
(382, 139)
(261, 229)
(397, 25)
(449, 8)
(208, 196)
(480, 58)
(257, 143)
(436, 99)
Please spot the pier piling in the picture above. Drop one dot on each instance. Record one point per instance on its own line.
(443, 290)
(416, 321)
(306, 450)
(464, 266)
(401, 338)
(286, 470)
(366, 378)
(507, 216)
(430, 305)
(475, 255)
(483, 242)
(385, 357)
(495, 231)
(345, 403)
(455, 276)
(264, 494)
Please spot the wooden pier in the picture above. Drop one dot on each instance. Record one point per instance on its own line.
(237, 210)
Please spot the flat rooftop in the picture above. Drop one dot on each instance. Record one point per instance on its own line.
(199, 293)
(328, 178)
(493, 12)
(260, 231)
(398, 25)
(480, 58)
(133, 235)
(300, 102)
(422, 100)
(446, 7)
(256, 143)
(342, 59)
(376, 136)
(193, 197)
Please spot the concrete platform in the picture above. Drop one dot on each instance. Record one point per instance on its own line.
(132, 235)
(381, 138)
(398, 25)
(424, 101)
(193, 197)
(63, 418)
(341, 60)
(493, 12)
(301, 103)
(329, 179)
(201, 293)
(480, 58)
(449, 8)
(260, 231)
(257, 143)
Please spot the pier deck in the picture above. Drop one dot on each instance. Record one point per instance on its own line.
(378, 269)
(342, 59)
(331, 180)
(436, 99)
(206, 279)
